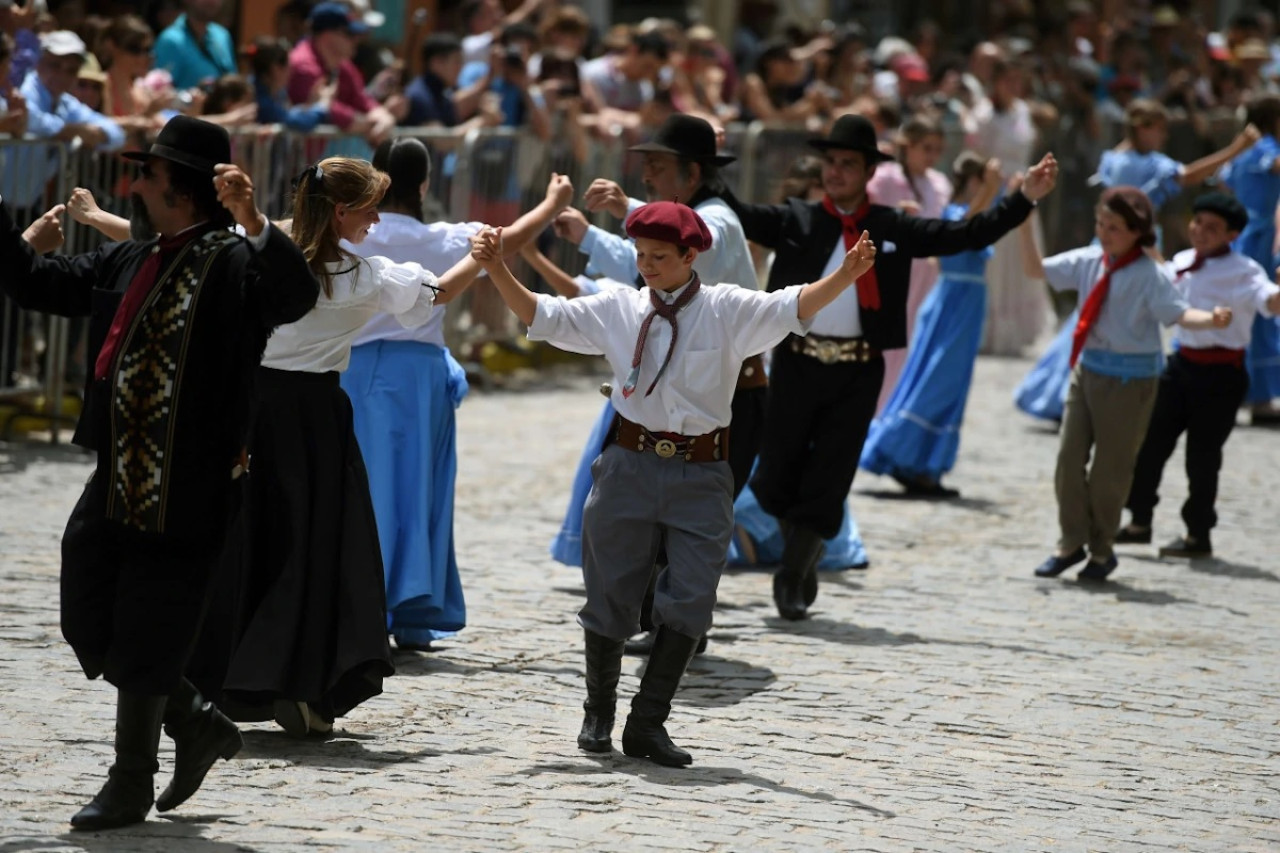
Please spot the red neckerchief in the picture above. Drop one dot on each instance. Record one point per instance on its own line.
(851, 226)
(1093, 305)
(1224, 249)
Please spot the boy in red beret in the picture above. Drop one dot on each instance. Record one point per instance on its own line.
(663, 476)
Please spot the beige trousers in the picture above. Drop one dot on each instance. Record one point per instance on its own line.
(1108, 417)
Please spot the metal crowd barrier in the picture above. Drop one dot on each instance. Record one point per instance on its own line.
(490, 176)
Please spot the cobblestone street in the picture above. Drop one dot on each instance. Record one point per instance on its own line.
(943, 700)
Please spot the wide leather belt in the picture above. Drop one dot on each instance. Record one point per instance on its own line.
(752, 374)
(711, 447)
(834, 350)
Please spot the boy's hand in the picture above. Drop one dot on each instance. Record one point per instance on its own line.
(486, 248)
(860, 258)
(1041, 178)
(1221, 317)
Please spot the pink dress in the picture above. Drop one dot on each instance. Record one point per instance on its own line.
(931, 192)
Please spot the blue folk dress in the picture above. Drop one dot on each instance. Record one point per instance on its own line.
(1251, 178)
(918, 433)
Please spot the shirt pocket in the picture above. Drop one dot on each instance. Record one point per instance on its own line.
(702, 370)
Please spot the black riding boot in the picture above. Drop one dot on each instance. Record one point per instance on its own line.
(795, 585)
(604, 666)
(645, 735)
(201, 735)
(130, 790)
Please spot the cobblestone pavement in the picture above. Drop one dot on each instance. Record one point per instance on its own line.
(943, 700)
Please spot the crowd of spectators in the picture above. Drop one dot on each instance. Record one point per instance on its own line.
(542, 65)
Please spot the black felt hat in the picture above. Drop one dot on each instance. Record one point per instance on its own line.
(852, 133)
(686, 136)
(189, 142)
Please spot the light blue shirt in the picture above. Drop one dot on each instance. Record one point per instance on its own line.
(1156, 174)
(29, 167)
(1141, 298)
(192, 62)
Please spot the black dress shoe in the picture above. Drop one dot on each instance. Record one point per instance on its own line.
(1056, 565)
(1096, 572)
(1188, 546)
(1133, 534)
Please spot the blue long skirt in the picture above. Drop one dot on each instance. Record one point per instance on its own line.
(919, 430)
(1043, 393)
(404, 395)
(844, 550)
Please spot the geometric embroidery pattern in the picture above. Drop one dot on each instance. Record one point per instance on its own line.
(147, 385)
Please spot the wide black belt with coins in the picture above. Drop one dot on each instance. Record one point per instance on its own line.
(834, 350)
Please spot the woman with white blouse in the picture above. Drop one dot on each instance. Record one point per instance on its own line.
(309, 624)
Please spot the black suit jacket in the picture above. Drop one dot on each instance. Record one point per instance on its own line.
(803, 234)
(246, 293)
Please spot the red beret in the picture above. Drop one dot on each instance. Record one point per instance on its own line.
(670, 222)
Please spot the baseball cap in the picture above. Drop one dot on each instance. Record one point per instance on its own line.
(334, 16)
(62, 43)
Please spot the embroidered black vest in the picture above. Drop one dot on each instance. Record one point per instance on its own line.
(147, 378)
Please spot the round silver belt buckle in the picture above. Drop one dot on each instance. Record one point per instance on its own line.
(665, 447)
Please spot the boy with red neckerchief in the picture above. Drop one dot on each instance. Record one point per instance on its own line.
(1205, 381)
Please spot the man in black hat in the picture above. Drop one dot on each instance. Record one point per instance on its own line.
(824, 387)
(1204, 381)
(681, 164)
(177, 326)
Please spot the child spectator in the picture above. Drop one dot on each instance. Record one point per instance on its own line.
(269, 70)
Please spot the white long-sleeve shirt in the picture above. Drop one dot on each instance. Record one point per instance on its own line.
(719, 328)
(437, 246)
(362, 287)
(1233, 281)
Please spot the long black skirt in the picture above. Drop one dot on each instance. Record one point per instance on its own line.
(304, 599)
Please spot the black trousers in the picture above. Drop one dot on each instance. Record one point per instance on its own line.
(1200, 400)
(131, 605)
(816, 421)
(746, 432)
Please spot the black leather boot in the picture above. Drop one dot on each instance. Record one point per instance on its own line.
(130, 790)
(795, 585)
(604, 666)
(645, 735)
(201, 735)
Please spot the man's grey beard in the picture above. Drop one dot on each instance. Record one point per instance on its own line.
(140, 227)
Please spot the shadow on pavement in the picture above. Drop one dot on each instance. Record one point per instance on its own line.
(715, 682)
(1123, 592)
(981, 505)
(856, 635)
(697, 776)
(413, 663)
(1221, 568)
(342, 751)
(159, 835)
